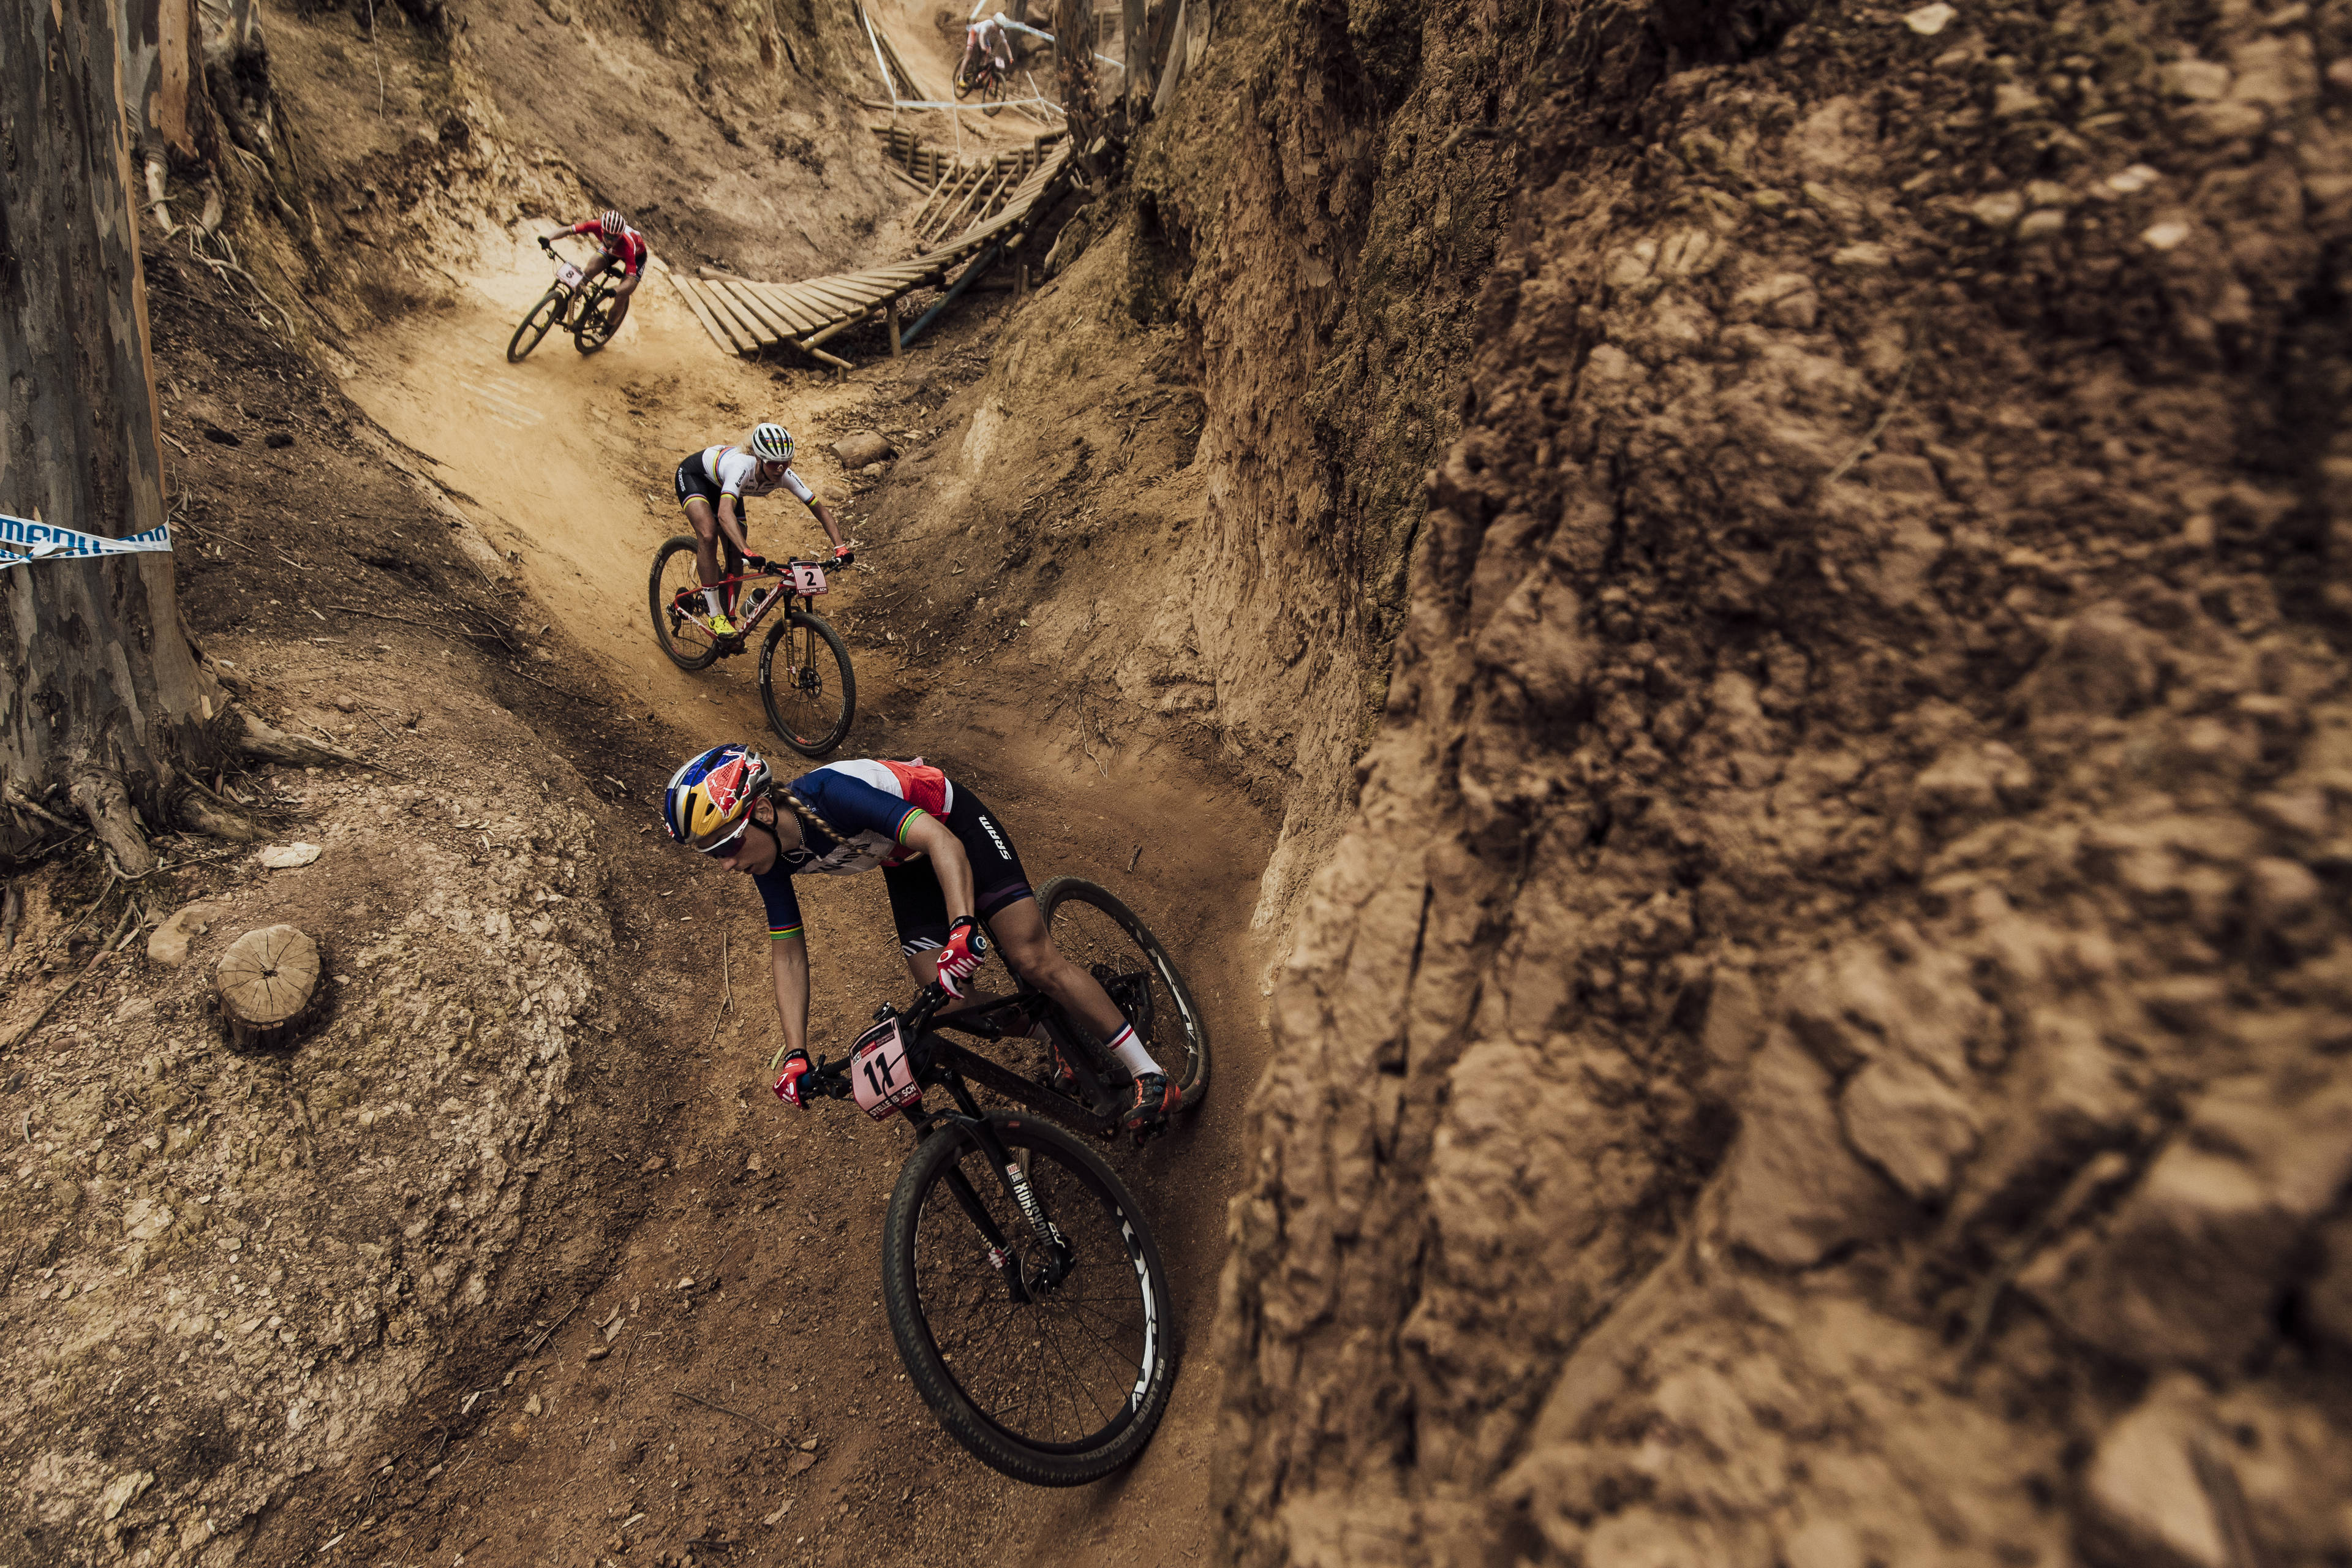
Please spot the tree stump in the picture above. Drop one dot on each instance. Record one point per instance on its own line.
(268, 984)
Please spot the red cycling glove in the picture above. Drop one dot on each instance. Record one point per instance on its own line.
(843, 554)
(966, 950)
(788, 1086)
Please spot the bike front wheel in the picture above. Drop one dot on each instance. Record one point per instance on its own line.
(806, 684)
(595, 329)
(680, 624)
(1051, 1364)
(536, 325)
(1096, 931)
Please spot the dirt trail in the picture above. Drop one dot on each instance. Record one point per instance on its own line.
(563, 462)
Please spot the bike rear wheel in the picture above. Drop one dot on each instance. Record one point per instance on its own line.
(1101, 935)
(811, 694)
(1067, 1385)
(536, 325)
(991, 92)
(679, 625)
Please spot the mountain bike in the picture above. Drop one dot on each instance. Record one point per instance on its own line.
(589, 324)
(1021, 1280)
(806, 681)
(986, 78)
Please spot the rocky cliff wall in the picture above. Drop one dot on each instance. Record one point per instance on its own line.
(1824, 1040)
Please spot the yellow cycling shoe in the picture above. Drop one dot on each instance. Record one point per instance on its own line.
(722, 626)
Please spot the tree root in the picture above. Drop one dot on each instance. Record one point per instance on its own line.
(196, 807)
(102, 800)
(255, 737)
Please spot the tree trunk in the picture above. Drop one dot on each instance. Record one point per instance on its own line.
(1074, 36)
(1134, 49)
(102, 692)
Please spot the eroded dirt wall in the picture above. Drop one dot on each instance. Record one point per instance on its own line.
(1241, 380)
(1824, 1042)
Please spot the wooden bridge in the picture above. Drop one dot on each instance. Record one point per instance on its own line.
(993, 199)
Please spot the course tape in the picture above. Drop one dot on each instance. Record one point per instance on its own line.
(23, 540)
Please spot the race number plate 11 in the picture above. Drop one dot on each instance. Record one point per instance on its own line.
(880, 1070)
(569, 274)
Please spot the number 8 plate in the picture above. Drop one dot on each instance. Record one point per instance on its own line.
(880, 1072)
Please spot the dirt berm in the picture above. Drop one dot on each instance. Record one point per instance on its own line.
(1824, 1042)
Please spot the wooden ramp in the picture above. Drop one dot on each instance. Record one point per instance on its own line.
(993, 200)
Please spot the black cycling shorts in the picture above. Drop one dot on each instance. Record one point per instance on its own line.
(918, 907)
(694, 479)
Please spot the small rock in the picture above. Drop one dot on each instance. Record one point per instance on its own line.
(2280, 894)
(2041, 225)
(1793, 1192)
(1997, 209)
(773, 1520)
(2164, 236)
(121, 1491)
(168, 945)
(863, 448)
(653, 1162)
(808, 1445)
(599, 1352)
(800, 1464)
(1867, 257)
(347, 704)
(532, 1407)
(1929, 20)
(2134, 180)
(2196, 79)
(2339, 74)
(2015, 101)
(1907, 1122)
(2143, 1488)
(288, 857)
(2048, 194)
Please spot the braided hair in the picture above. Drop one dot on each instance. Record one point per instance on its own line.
(808, 814)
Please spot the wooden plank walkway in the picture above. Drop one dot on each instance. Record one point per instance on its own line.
(743, 317)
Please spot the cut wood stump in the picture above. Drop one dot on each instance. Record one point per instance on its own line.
(268, 984)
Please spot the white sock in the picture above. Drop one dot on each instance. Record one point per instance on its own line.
(710, 602)
(1131, 1054)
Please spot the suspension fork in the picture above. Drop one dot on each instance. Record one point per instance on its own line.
(1010, 1176)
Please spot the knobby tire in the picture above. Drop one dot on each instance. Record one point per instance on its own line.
(814, 743)
(1177, 1032)
(546, 314)
(685, 654)
(1075, 1386)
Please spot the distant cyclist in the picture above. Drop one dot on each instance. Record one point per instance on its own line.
(714, 483)
(984, 40)
(624, 247)
(852, 816)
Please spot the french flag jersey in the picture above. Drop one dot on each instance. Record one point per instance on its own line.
(872, 802)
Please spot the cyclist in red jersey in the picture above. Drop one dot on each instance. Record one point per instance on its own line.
(624, 247)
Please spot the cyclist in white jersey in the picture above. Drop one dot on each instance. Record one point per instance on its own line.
(712, 486)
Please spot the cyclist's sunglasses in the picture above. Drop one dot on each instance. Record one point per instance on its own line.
(719, 840)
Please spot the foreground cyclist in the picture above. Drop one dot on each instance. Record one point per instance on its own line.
(712, 486)
(851, 816)
(624, 247)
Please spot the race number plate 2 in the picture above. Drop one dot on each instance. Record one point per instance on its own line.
(884, 1078)
(569, 274)
(806, 577)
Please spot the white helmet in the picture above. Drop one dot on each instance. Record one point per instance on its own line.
(771, 444)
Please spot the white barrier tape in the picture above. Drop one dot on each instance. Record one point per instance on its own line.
(23, 540)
